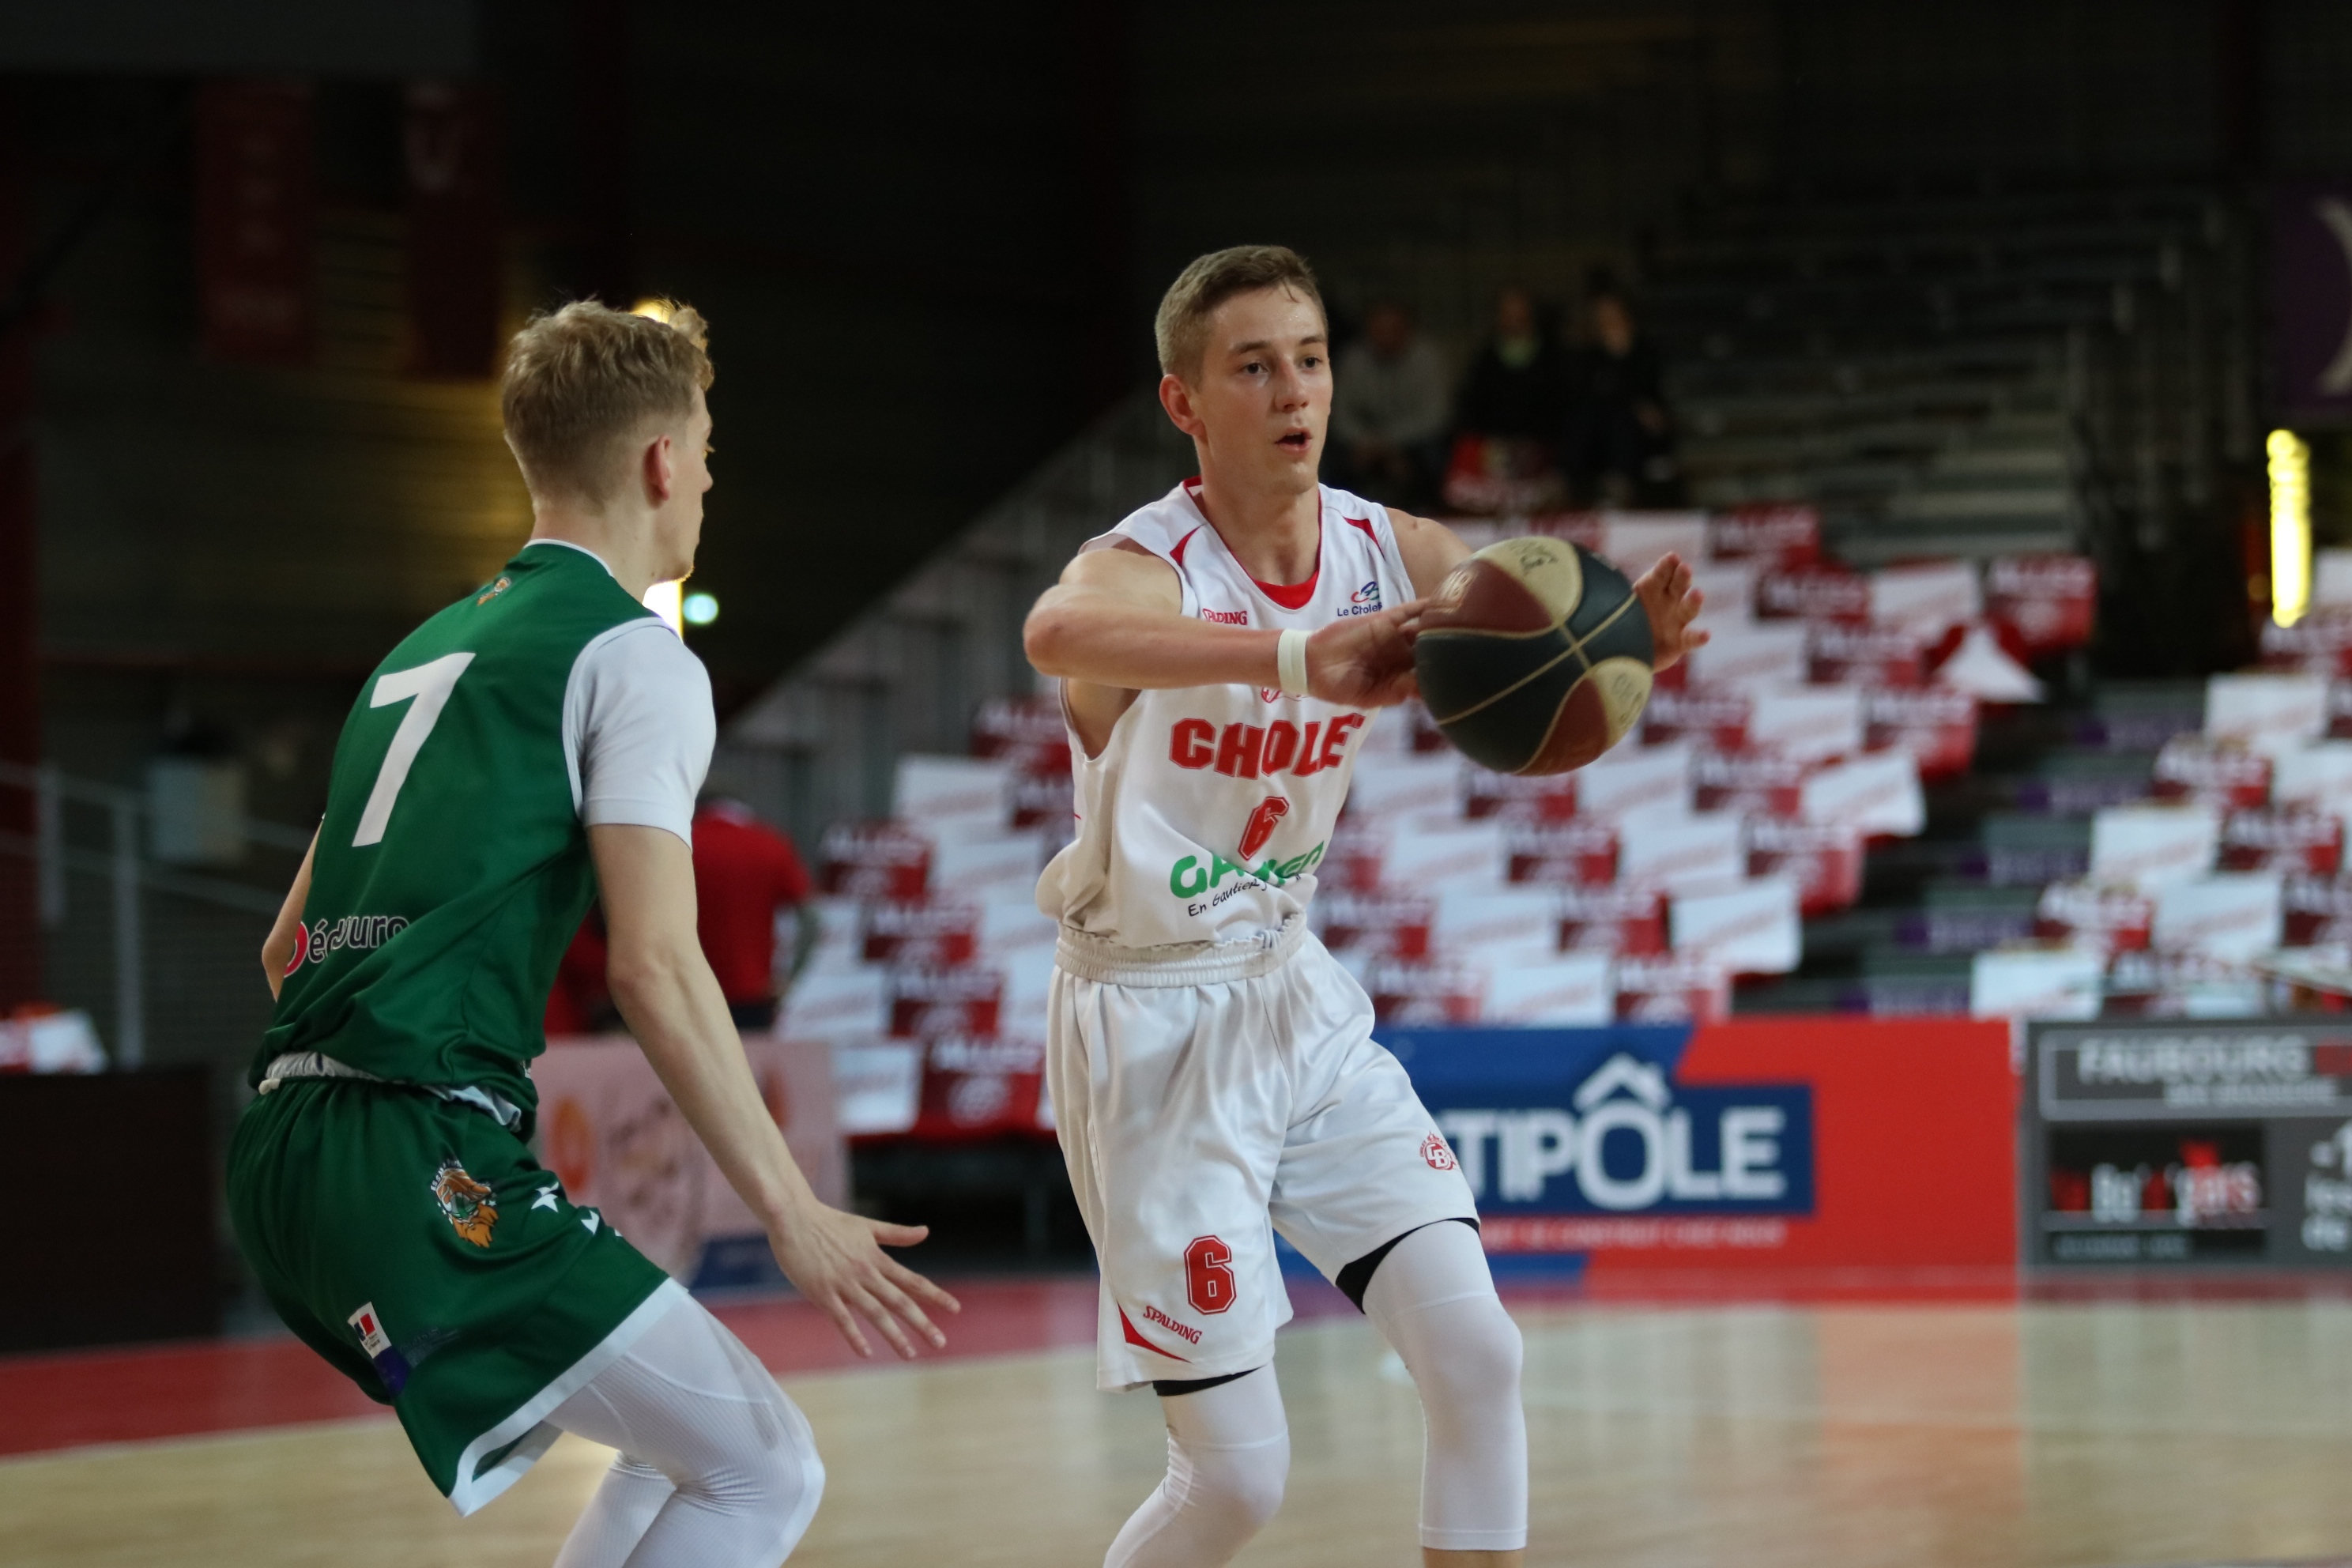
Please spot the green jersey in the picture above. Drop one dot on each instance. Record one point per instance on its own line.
(452, 866)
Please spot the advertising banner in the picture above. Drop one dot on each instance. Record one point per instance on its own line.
(455, 272)
(1805, 1143)
(608, 1129)
(2181, 1141)
(255, 208)
(2311, 301)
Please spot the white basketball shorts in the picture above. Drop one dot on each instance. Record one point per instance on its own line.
(1205, 1103)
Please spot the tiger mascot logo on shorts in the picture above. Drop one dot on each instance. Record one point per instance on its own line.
(471, 1208)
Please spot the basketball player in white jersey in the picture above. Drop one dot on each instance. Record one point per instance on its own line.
(1213, 1068)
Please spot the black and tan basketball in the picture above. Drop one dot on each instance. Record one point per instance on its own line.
(1534, 657)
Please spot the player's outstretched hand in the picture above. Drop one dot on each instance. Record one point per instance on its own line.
(835, 1259)
(1666, 593)
(1365, 661)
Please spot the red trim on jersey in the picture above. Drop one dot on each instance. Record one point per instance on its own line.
(1134, 1339)
(1365, 524)
(1294, 596)
(1289, 595)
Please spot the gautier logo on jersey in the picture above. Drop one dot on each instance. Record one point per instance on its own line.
(1629, 1141)
(1254, 751)
(1188, 879)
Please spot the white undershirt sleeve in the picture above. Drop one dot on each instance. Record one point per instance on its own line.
(638, 728)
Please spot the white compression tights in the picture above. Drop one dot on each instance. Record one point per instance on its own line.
(1228, 1453)
(716, 1468)
(1229, 1446)
(1434, 1300)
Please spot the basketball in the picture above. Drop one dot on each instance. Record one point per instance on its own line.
(1534, 657)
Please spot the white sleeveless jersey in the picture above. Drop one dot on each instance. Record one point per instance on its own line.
(1209, 807)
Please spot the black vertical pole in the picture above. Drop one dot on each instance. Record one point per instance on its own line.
(1099, 35)
(601, 78)
(20, 672)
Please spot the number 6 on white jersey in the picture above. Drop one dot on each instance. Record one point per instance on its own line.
(430, 685)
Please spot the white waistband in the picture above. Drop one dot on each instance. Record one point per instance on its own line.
(309, 1064)
(1178, 964)
(317, 1063)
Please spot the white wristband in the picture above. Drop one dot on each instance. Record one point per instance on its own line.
(1290, 658)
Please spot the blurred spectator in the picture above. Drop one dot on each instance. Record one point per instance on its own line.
(745, 872)
(1514, 389)
(1389, 411)
(580, 1002)
(1619, 446)
(1505, 457)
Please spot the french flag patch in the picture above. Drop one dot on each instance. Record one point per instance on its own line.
(390, 1364)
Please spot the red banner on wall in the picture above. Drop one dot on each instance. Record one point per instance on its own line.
(1915, 1139)
(256, 211)
(451, 157)
(2311, 298)
(1803, 1145)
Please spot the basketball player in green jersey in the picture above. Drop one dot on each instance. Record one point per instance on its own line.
(536, 743)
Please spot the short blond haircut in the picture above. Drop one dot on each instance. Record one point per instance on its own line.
(1181, 326)
(582, 382)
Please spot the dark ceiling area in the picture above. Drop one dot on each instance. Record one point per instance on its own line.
(927, 239)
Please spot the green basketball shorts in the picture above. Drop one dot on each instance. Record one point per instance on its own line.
(419, 1246)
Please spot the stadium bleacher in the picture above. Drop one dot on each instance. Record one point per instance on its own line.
(1643, 887)
(1967, 373)
(1888, 786)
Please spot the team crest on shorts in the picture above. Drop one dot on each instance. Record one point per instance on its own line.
(1437, 1152)
(471, 1208)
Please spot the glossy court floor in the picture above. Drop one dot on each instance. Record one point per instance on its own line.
(1760, 1434)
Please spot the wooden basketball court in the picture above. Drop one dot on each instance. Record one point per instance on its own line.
(1760, 1434)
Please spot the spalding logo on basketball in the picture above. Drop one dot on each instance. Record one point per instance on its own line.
(1534, 657)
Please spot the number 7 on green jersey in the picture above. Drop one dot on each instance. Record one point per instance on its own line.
(429, 686)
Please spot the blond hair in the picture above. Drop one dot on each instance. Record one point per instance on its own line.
(1181, 326)
(582, 381)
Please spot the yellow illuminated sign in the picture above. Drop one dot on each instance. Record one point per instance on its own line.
(2290, 471)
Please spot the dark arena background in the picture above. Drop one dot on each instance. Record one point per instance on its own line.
(1908, 1082)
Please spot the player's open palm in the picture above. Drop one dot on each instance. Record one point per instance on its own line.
(1668, 592)
(1365, 661)
(835, 1259)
